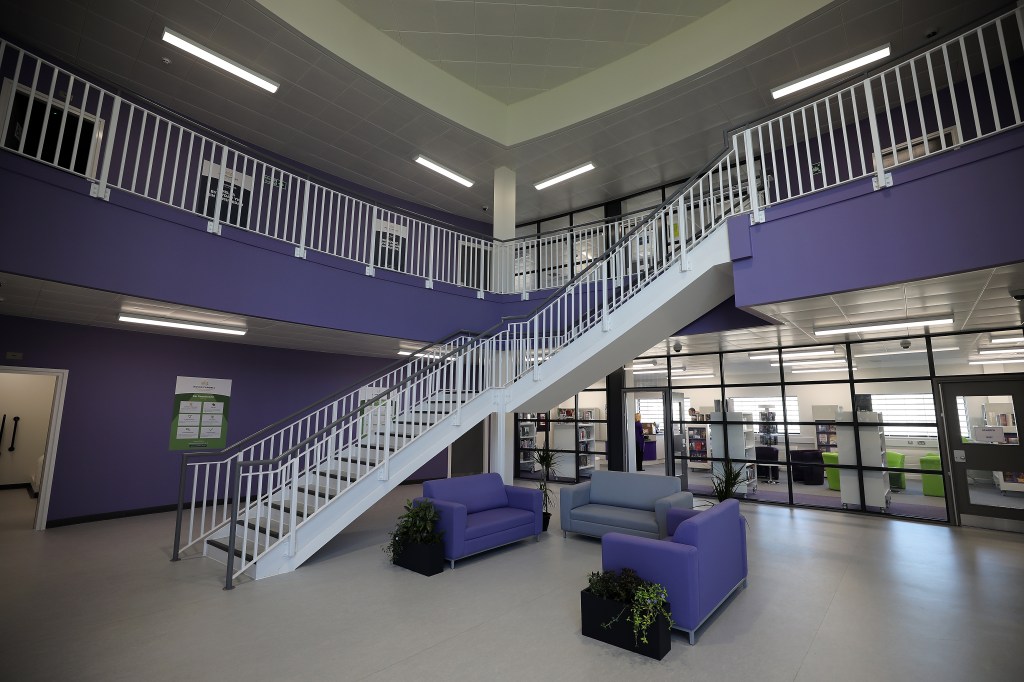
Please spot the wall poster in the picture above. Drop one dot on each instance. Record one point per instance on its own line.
(200, 420)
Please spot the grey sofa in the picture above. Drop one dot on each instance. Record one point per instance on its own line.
(622, 502)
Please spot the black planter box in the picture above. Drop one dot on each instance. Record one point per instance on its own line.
(596, 611)
(547, 519)
(424, 559)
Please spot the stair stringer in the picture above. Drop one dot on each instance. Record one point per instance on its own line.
(341, 511)
(676, 298)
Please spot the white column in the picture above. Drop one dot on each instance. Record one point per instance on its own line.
(504, 226)
(500, 446)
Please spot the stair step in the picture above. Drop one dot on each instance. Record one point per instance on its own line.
(317, 492)
(337, 476)
(299, 511)
(259, 529)
(224, 547)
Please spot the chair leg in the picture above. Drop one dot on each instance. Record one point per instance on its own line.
(536, 538)
(693, 637)
(452, 562)
(564, 534)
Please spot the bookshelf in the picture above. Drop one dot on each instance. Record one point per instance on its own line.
(527, 434)
(872, 450)
(742, 441)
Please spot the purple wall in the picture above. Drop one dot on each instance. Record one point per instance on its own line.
(113, 454)
(54, 231)
(954, 212)
(723, 317)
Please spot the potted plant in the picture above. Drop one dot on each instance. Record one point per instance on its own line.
(622, 609)
(725, 478)
(415, 543)
(545, 459)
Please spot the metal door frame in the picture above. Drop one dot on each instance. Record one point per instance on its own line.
(960, 510)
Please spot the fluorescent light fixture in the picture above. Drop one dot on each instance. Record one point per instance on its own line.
(822, 369)
(565, 176)
(404, 352)
(882, 326)
(645, 363)
(832, 71)
(794, 354)
(438, 168)
(157, 322)
(1001, 351)
(693, 376)
(808, 363)
(650, 371)
(1015, 338)
(1007, 361)
(220, 62)
(904, 352)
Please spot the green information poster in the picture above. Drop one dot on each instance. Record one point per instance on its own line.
(200, 420)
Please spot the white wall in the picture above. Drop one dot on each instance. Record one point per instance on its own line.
(29, 396)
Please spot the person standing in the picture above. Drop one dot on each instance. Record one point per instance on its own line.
(639, 443)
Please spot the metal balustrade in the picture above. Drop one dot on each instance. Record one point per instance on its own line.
(959, 91)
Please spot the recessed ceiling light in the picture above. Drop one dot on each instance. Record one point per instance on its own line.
(882, 326)
(832, 71)
(904, 352)
(206, 55)
(807, 363)
(822, 369)
(1014, 337)
(565, 176)
(1006, 361)
(159, 322)
(438, 168)
(762, 355)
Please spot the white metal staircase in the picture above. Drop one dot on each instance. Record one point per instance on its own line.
(288, 496)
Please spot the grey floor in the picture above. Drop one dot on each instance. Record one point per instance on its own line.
(831, 597)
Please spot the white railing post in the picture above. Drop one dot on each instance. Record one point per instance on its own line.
(606, 324)
(684, 255)
(213, 226)
(881, 179)
(100, 190)
(430, 258)
(756, 213)
(459, 373)
(293, 512)
(385, 471)
(300, 250)
(536, 348)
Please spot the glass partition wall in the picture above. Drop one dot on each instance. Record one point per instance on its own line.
(851, 425)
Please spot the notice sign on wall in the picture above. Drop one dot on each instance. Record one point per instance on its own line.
(389, 244)
(234, 194)
(200, 420)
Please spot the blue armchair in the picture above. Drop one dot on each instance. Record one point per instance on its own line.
(702, 562)
(480, 512)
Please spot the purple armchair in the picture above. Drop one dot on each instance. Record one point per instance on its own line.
(702, 562)
(480, 513)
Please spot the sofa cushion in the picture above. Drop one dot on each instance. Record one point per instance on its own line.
(479, 492)
(635, 491)
(492, 521)
(619, 517)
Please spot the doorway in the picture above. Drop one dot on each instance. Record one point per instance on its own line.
(648, 445)
(31, 408)
(984, 458)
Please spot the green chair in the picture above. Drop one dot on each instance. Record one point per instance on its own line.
(895, 460)
(932, 484)
(831, 475)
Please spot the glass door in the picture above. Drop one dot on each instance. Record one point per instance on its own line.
(986, 460)
(648, 443)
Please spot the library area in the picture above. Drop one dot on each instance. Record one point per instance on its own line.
(850, 426)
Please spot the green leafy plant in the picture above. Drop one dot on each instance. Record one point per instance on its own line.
(417, 525)
(643, 601)
(725, 480)
(545, 459)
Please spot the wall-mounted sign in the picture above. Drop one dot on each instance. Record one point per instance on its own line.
(200, 420)
(235, 195)
(389, 244)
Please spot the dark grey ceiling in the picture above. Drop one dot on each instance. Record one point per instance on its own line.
(330, 116)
